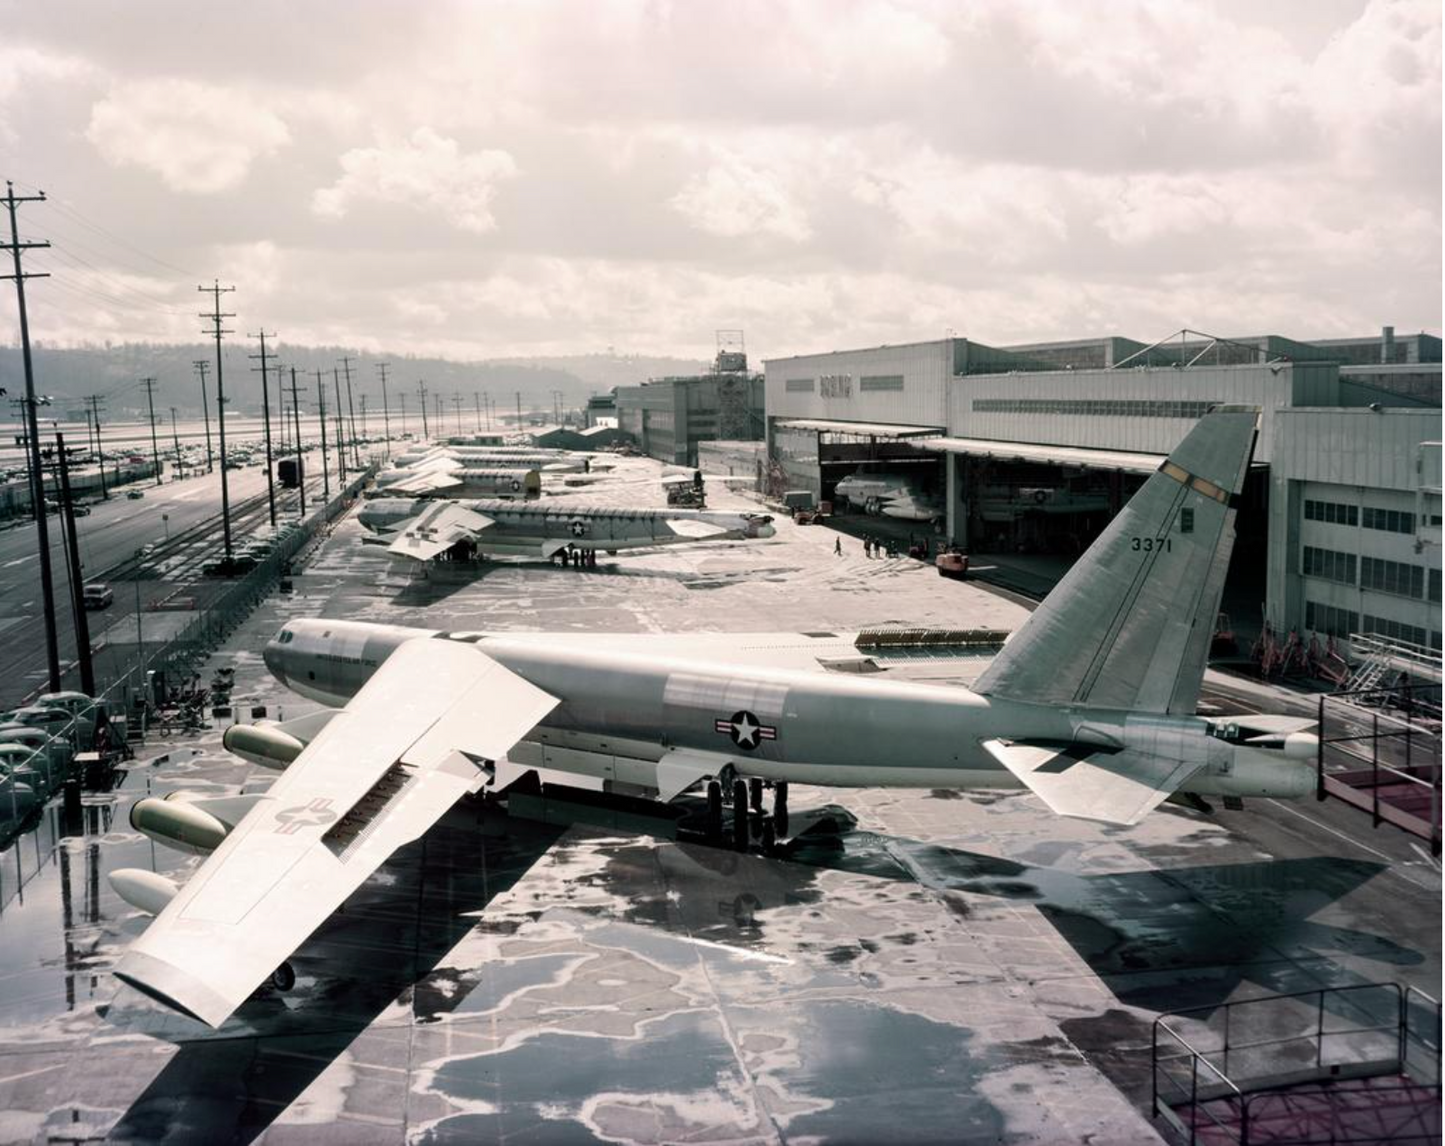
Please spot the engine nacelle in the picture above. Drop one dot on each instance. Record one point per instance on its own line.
(178, 825)
(144, 890)
(263, 744)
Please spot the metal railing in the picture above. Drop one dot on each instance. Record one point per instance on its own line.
(1364, 715)
(1239, 1050)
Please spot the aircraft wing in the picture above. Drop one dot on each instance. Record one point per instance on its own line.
(380, 773)
(436, 529)
(1115, 787)
(431, 481)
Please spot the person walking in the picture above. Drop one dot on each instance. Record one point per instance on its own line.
(837, 547)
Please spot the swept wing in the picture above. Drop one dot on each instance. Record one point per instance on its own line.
(380, 773)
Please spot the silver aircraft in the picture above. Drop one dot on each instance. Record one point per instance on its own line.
(424, 529)
(503, 481)
(1090, 705)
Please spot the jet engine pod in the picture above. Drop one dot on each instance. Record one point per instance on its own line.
(1301, 745)
(144, 890)
(178, 825)
(263, 744)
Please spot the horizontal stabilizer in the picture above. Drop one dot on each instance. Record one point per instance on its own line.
(436, 529)
(1081, 781)
(692, 527)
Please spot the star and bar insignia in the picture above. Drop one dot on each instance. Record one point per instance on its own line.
(745, 730)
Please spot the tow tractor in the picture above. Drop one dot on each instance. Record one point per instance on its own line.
(952, 562)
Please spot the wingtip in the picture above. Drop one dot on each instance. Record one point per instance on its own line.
(172, 987)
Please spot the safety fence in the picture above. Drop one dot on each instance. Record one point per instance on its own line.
(1291, 1068)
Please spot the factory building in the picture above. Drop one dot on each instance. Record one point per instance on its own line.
(668, 417)
(1032, 449)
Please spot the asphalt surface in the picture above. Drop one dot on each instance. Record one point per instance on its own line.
(180, 519)
(946, 967)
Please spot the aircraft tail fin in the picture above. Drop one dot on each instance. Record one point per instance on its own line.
(1130, 625)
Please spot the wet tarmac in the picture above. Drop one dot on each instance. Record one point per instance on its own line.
(951, 968)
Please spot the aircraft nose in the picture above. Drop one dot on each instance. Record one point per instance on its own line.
(274, 659)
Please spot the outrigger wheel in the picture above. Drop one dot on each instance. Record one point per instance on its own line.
(714, 824)
(284, 977)
(740, 815)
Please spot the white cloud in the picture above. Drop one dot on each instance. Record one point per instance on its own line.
(427, 172)
(732, 200)
(198, 138)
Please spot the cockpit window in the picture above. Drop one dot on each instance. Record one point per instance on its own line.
(285, 636)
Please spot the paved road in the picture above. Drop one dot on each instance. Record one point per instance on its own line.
(181, 518)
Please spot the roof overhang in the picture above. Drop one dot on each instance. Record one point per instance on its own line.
(1081, 456)
(861, 429)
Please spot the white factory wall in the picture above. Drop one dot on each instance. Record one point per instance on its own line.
(1147, 410)
(1373, 464)
(832, 385)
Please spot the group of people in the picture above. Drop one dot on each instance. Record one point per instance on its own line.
(876, 547)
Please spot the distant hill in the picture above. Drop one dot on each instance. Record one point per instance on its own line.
(71, 373)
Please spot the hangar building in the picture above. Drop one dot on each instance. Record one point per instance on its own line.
(1033, 448)
(668, 417)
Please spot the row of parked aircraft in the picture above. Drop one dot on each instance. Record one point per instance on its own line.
(1091, 706)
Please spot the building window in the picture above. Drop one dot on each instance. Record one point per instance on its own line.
(1330, 621)
(1434, 584)
(1395, 630)
(1389, 520)
(1093, 407)
(1392, 577)
(836, 385)
(1332, 512)
(1330, 565)
(798, 385)
(881, 382)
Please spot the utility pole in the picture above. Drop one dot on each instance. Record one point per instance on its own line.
(457, 404)
(519, 411)
(280, 404)
(477, 402)
(215, 291)
(94, 402)
(202, 366)
(77, 586)
(385, 406)
(365, 429)
(296, 425)
(487, 403)
(176, 438)
(556, 407)
(351, 414)
(90, 445)
(32, 428)
(340, 430)
(266, 414)
(421, 390)
(402, 397)
(150, 385)
(437, 402)
(321, 417)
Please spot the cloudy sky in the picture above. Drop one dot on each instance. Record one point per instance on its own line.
(485, 179)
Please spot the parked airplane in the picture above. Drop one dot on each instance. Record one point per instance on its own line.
(425, 529)
(891, 495)
(465, 481)
(1091, 706)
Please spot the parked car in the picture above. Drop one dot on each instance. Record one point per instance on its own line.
(135, 494)
(97, 595)
(38, 716)
(80, 510)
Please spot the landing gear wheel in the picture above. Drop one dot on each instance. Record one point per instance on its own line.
(780, 807)
(741, 834)
(714, 824)
(284, 977)
(755, 794)
(769, 838)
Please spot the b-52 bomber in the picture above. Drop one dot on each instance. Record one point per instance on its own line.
(503, 481)
(424, 530)
(1090, 706)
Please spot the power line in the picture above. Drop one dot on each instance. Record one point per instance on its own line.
(385, 406)
(202, 366)
(421, 390)
(300, 465)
